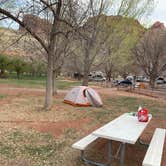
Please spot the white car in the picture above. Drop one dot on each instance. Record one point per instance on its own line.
(160, 80)
(98, 78)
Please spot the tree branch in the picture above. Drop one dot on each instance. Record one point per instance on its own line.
(8, 14)
(3, 18)
(13, 43)
(49, 6)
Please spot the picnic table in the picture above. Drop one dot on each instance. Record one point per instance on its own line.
(125, 129)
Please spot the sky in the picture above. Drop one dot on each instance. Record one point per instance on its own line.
(159, 13)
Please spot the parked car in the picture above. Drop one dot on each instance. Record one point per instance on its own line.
(90, 77)
(97, 78)
(125, 82)
(141, 79)
(160, 80)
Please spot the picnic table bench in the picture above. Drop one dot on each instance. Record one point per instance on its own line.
(84, 142)
(154, 153)
(125, 129)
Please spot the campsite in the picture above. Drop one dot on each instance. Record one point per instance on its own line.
(34, 137)
(82, 83)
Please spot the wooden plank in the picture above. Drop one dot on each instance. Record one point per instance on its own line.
(125, 128)
(154, 153)
(84, 142)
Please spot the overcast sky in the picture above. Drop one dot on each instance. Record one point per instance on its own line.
(159, 13)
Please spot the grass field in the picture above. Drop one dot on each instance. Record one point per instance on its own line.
(28, 148)
(31, 137)
(37, 82)
(2, 96)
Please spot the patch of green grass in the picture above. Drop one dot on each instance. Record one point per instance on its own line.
(30, 145)
(38, 83)
(2, 96)
(131, 104)
(24, 83)
(7, 150)
(61, 84)
(42, 151)
(16, 136)
(116, 105)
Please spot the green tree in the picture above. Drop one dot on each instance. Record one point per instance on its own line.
(18, 65)
(4, 64)
(123, 35)
(36, 68)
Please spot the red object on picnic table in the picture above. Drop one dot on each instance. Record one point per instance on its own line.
(142, 115)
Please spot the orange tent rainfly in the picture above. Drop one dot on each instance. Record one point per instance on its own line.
(83, 96)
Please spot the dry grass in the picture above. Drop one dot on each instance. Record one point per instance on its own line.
(31, 137)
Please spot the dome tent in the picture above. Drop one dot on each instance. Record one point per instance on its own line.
(83, 96)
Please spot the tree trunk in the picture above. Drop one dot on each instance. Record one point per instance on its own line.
(85, 79)
(152, 81)
(86, 69)
(50, 66)
(2, 73)
(54, 83)
(49, 91)
(18, 75)
(33, 73)
(109, 75)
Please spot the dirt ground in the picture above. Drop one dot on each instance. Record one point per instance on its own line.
(14, 113)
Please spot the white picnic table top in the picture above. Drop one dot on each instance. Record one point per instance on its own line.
(126, 128)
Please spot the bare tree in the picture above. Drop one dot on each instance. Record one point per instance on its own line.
(89, 34)
(93, 37)
(56, 11)
(150, 53)
(63, 49)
